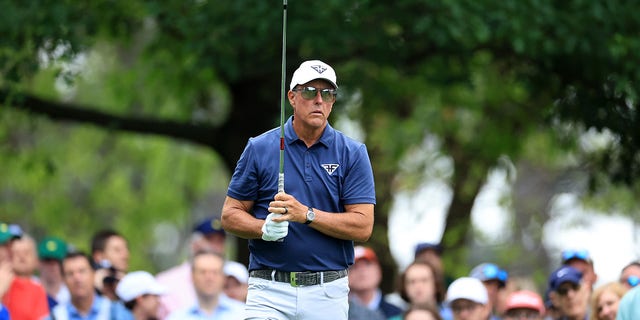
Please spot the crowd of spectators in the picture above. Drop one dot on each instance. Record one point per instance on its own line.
(50, 279)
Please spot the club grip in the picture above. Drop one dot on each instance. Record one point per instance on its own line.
(281, 182)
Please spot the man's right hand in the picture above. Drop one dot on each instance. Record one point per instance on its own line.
(273, 231)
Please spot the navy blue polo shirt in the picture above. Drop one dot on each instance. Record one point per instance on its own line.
(334, 172)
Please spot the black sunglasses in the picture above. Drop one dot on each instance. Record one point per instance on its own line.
(310, 93)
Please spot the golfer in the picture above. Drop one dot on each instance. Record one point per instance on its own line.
(301, 240)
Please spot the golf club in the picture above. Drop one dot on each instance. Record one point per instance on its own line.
(282, 95)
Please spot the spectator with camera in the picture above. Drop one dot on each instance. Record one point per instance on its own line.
(110, 255)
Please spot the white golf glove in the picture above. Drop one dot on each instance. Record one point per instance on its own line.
(273, 231)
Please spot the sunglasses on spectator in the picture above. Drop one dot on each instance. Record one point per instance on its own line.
(310, 93)
(564, 290)
(632, 281)
(575, 254)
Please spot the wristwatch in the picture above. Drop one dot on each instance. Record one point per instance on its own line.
(310, 216)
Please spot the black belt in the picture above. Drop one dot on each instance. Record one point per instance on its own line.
(299, 279)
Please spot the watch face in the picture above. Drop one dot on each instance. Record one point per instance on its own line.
(310, 216)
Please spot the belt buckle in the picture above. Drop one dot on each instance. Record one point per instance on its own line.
(292, 279)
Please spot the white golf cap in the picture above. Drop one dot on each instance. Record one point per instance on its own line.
(467, 288)
(311, 70)
(236, 270)
(138, 283)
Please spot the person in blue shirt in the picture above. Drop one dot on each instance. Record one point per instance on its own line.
(4, 313)
(629, 307)
(207, 273)
(85, 303)
(301, 240)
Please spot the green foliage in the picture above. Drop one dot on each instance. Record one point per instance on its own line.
(74, 180)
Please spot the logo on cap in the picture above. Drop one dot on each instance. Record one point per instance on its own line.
(51, 245)
(318, 68)
(562, 272)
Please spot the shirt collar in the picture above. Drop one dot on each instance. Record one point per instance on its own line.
(290, 135)
(95, 308)
(222, 306)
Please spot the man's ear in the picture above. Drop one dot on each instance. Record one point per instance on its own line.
(290, 95)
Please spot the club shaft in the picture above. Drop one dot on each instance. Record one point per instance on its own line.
(282, 95)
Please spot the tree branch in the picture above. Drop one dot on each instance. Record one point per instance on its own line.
(205, 135)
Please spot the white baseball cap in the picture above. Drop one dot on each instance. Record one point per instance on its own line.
(311, 70)
(236, 270)
(467, 288)
(138, 283)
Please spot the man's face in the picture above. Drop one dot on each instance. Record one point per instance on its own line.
(235, 289)
(207, 275)
(464, 309)
(522, 314)
(210, 242)
(572, 299)
(420, 284)
(631, 271)
(78, 276)
(148, 304)
(364, 275)
(588, 273)
(116, 251)
(493, 289)
(50, 270)
(24, 257)
(313, 112)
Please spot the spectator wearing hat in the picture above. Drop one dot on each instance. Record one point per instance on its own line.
(236, 282)
(630, 274)
(365, 276)
(629, 307)
(140, 292)
(51, 251)
(570, 293)
(468, 299)
(23, 298)
(207, 235)
(551, 310)
(207, 273)
(494, 279)
(606, 299)
(581, 260)
(524, 304)
(431, 252)
(85, 303)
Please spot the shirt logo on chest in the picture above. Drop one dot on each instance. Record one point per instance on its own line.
(330, 167)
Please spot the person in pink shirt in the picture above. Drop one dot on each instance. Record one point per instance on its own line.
(207, 235)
